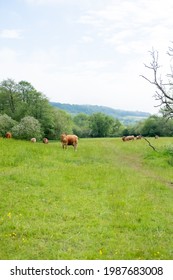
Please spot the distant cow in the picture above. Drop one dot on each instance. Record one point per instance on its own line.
(67, 140)
(8, 135)
(139, 137)
(33, 140)
(45, 141)
(128, 138)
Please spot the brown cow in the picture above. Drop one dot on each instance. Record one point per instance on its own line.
(128, 138)
(139, 137)
(8, 135)
(45, 141)
(67, 140)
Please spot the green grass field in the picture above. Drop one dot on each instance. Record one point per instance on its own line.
(109, 200)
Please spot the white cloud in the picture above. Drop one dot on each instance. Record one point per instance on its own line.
(128, 23)
(10, 33)
(7, 55)
(82, 3)
(86, 39)
(43, 2)
(87, 82)
(94, 57)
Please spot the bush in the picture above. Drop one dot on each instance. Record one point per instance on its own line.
(6, 124)
(168, 151)
(28, 128)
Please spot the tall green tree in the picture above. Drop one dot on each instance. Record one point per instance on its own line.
(22, 99)
(6, 124)
(19, 100)
(101, 125)
(63, 123)
(81, 125)
(27, 128)
(154, 125)
(9, 98)
(116, 129)
(151, 127)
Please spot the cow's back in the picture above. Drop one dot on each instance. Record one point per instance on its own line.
(72, 139)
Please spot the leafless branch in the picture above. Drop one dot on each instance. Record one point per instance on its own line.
(150, 144)
(164, 88)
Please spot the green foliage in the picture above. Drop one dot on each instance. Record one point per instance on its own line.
(9, 98)
(116, 129)
(81, 125)
(107, 201)
(96, 125)
(167, 152)
(20, 100)
(163, 156)
(28, 128)
(154, 125)
(101, 125)
(125, 117)
(6, 124)
(62, 123)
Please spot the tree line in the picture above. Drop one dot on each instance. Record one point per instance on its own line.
(27, 113)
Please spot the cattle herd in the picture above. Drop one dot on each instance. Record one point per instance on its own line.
(66, 140)
(131, 137)
(72, 139)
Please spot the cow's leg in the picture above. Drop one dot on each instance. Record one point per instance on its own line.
(75, 146)
(64, 146)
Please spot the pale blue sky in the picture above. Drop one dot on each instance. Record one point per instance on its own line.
(85, 51)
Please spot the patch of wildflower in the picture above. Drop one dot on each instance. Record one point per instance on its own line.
(9, 215)
(156, 254)
(13, 234)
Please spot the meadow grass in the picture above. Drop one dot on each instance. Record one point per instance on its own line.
(109, 200)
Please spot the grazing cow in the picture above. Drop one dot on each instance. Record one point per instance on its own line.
(67, 140)
(139, 137)
(156, 136)
(128, 138)
(45, 141)
(33, 140)
(8, 135)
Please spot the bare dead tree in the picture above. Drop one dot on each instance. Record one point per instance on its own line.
(164, 89)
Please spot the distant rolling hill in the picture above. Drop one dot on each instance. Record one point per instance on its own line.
(125, 117)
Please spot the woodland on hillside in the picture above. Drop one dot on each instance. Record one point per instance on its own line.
(27, 113)
(124, 116)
